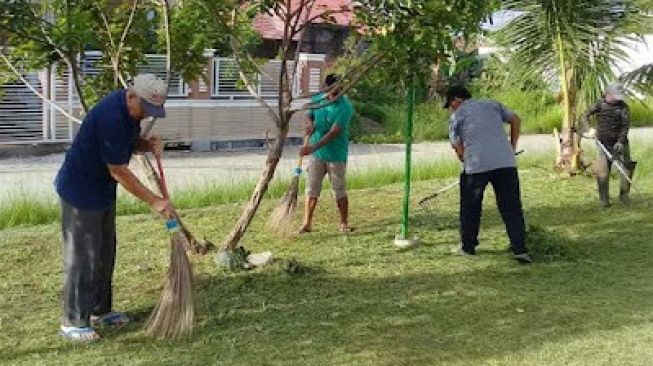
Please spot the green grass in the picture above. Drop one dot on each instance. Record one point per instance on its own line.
(587, 300)
(24, 210)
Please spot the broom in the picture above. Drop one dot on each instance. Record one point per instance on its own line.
(174, 314)
(281, 219)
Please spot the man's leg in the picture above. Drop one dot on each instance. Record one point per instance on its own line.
(82, 241)
(505, 183)
(337, 173)
(602, 170)
(104, 289)
(472, 187)
(315, 174)
(629, 167)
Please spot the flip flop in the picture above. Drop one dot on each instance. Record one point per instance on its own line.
(111, 318)
(346, 229)
(79, 334)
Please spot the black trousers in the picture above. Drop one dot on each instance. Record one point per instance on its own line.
(89, 253)
(505, 183)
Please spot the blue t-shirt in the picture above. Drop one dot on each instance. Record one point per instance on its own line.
(108, 135)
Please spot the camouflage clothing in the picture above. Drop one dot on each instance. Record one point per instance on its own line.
(613, 122)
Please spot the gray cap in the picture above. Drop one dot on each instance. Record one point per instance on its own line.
(615, 91)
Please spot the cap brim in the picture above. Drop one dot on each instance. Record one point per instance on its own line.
(153, 110)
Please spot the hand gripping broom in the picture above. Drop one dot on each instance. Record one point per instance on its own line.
(281, 219)
(174, 314)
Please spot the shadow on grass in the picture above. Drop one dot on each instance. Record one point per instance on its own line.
(373, 305)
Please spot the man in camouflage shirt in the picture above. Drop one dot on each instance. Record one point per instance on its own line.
(613, 121)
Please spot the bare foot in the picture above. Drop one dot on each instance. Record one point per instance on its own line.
(304, 229)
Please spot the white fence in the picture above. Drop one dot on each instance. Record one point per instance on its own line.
(25, 118)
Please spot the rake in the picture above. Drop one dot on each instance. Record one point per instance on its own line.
(428, 201)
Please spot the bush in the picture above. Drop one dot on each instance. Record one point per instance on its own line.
(538, 109)
(641, 112)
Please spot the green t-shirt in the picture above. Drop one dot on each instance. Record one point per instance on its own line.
(339, 112)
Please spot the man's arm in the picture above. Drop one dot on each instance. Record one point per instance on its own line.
(585, 120)
(460, 151)
(454, 137)
(310, 127)
(154, 145)
(515, 130)
(625, 125)
(128, 180)
(333, 132)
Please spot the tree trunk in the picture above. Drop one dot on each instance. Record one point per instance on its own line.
(232, 240)
(74, 71)
(568, 159)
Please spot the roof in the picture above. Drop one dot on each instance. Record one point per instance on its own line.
(337, 12)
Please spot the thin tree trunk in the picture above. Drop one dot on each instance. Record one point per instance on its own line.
(74, 71)
(568, 158)
(232, 240)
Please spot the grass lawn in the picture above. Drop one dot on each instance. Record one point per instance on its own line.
(588, 299)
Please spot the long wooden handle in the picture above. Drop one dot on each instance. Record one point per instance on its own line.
(162, 178)
(301, 157)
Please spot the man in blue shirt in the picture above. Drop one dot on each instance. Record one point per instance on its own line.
(86, 183)
(477, 136)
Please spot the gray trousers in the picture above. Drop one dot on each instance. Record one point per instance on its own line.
(89, 252)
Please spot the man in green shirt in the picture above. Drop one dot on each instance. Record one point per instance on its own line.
(328, 127)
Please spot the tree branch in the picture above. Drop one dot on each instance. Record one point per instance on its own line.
(322, 15)
(276, 119)
(344, 89)
(166, 25)
(74, 69)
(33, 89)
(237, 44)
(309, 4)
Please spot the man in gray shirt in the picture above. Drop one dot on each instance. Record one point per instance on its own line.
(476, 134)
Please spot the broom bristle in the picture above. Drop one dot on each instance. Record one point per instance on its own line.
(281, 219)
(174, 314)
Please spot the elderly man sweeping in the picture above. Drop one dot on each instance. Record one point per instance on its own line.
(86, 183)
(478, 138)
(613, 121)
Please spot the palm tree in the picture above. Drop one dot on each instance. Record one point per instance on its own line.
(640, 79)
(573, 43)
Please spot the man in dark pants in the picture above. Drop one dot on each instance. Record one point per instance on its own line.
(86, 183)
(477, 136)
(613, 121)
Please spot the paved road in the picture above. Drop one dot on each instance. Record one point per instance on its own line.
(33, 176)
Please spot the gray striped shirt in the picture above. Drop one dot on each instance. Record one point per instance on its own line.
(478, 126)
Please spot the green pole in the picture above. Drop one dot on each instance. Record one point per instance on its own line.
(409, 141)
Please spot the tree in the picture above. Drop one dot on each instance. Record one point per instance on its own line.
(575, 42)
(51, 31)
(405, 36)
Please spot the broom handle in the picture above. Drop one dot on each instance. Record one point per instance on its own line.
(299, 160)
(164, 187)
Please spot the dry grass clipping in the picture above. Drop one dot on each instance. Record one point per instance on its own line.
(174, 314)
